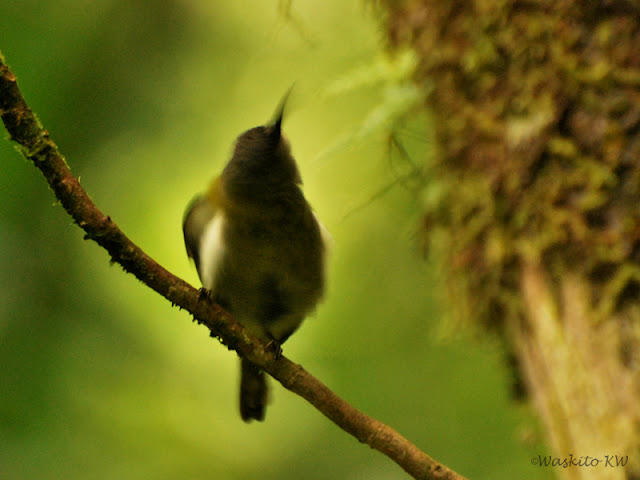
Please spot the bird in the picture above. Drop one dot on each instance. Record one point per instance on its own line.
(258, 247)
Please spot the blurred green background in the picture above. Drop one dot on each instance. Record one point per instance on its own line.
(100, 377)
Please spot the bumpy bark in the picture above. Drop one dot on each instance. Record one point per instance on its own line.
(536, 197)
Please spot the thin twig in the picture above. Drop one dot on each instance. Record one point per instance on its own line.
(36, 145)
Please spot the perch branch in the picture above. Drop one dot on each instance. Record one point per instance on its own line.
(36, 145)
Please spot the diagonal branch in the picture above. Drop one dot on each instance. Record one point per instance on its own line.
(36, 145)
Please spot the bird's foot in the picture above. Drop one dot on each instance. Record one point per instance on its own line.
(276, 347)
(205, 294)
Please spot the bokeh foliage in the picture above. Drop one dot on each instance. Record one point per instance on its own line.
(100, 377)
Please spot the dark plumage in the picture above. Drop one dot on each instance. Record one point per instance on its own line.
(258, 247)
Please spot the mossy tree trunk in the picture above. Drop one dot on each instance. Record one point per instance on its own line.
(537, 117)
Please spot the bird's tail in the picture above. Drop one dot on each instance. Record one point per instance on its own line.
(253, 392)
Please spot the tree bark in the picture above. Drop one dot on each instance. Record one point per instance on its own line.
(537, 204)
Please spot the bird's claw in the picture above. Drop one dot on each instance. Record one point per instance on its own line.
(204, 294)
(276, 347)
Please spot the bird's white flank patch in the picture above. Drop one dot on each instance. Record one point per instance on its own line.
(212, 250)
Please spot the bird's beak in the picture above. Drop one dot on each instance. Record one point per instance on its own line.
(277, 122)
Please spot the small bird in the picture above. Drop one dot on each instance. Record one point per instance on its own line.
(258, 247)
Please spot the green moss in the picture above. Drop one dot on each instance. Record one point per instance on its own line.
(537, 112)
